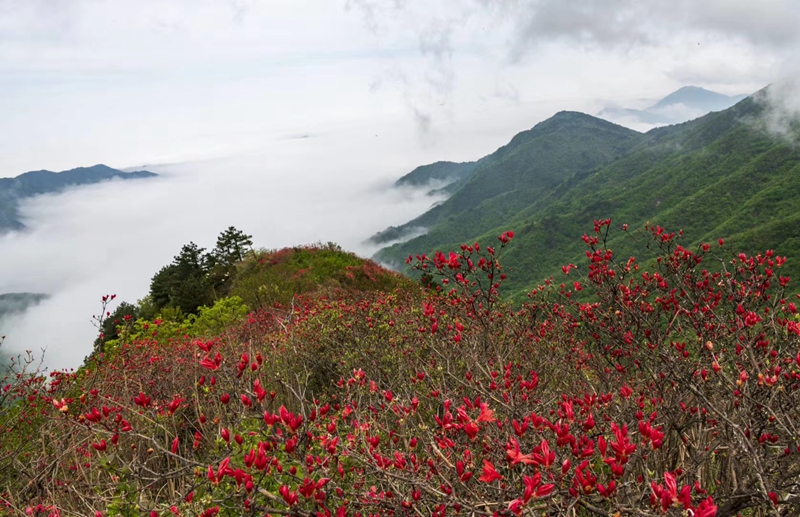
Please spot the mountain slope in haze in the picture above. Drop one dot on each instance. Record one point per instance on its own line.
(720, 175)
(34, 183)
(698, 98)
(533, 162)
(437, 174)
(679, 106)
(16, 303)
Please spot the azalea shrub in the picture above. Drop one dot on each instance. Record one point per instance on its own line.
(662, 387)
(268, 278)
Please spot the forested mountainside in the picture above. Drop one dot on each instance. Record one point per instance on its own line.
(722, 175)
(441, 173)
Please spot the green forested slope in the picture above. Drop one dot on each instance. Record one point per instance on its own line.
(529, 167)
(718, 176)
(446, 172)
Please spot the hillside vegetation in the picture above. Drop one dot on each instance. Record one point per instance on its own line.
(442, 173)
(529, 166)
(551, 360)
(202, 292)
(618, 389)
(721, 175)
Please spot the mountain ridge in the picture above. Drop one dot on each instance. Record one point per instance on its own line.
(17, 303)
(34, 183)
(495, 173)
(720, 174)
(682, 105)
(442, 172)
(698, 97)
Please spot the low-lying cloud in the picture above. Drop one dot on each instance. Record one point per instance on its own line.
(113, 237)
(782, 108)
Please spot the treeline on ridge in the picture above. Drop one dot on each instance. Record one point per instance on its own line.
(202, 292)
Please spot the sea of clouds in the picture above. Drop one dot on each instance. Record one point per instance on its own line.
(112, 237)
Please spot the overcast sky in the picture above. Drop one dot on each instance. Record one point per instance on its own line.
(128, 83)
(290, 118)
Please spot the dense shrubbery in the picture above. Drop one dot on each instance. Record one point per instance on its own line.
(614, 391)
(270, 278)
(199, 291)
(195, 278)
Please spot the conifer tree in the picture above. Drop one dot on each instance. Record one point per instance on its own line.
(232, 244)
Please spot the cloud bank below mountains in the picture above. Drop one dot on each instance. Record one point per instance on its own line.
(113, 237)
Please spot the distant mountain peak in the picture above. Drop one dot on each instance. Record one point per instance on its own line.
(99, 167)
(686, 89)
(532, 162)
(436, 175)
(48, 182)
(684, 104)
(695, 97)
(570, 115)
(576, 116)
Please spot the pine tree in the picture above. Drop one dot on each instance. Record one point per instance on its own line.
(232, 244)
(184, 283)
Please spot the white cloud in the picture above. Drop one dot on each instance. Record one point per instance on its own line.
(328, 185)
(88, 81)
(782, 108)
(626, 24)
(111, 238)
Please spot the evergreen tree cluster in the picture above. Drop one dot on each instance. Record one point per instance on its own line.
(193, 280)
(196, 278)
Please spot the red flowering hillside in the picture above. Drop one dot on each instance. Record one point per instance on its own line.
(276, 277)
(614, 391)
(204, 294)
